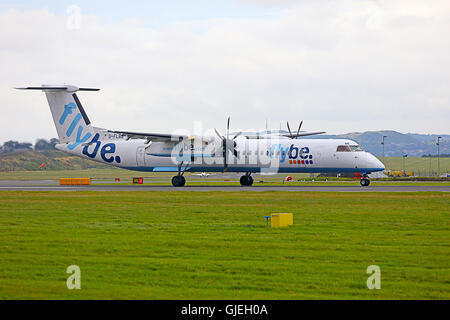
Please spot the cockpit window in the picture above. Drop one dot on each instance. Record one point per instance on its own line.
(343, 149)
(356, 148)
(346, 148)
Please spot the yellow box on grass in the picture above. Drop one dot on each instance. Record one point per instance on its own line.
(281, 220)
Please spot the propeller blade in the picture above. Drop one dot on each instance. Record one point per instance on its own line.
(225, 151)
(237, 135)
(299, 126)
(228, 127)
(218, 133)
(289, 129)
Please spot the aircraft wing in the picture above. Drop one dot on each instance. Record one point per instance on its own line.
(151, 136)
(175, 138)
(303, 134)
(274, 136)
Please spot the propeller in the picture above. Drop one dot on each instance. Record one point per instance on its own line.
(298, 130)
(228, 144)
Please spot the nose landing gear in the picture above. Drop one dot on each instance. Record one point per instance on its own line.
(246, 180)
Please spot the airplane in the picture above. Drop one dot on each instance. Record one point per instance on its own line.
(266, 153)
(203, 174)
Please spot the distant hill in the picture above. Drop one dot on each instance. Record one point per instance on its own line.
(396, 143)
(54, 160)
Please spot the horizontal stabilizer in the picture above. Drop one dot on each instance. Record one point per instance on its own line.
(58, 88)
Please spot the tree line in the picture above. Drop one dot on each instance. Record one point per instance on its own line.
(40, 145)
(435, 155)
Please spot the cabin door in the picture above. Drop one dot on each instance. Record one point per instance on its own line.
(140, 156)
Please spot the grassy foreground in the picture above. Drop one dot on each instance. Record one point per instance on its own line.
(213, 245)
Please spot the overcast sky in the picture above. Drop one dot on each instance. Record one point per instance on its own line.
(341, 66)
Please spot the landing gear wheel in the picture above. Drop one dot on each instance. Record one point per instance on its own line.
(364, 182)
(246, 180)
(178, 181)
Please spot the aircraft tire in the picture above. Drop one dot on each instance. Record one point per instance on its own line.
(178, 181)
(246, 180)
(364, 182)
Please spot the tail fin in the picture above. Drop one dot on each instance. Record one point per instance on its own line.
(71, 121)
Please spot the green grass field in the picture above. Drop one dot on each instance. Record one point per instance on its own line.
(420, 166)
(214, 245)
(106, 176)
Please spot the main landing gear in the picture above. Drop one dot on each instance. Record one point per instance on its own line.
(364, 181)
(179, 180)
(246, 180)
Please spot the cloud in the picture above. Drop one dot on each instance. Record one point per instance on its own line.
(340, 66)
(273, 3)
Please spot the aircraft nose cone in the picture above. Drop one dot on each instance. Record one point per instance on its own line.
(377, 163)
(381, 165)
(372, 162)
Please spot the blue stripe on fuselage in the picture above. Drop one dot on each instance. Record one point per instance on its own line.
(257, 169)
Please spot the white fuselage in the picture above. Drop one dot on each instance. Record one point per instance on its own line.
(253, 155)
